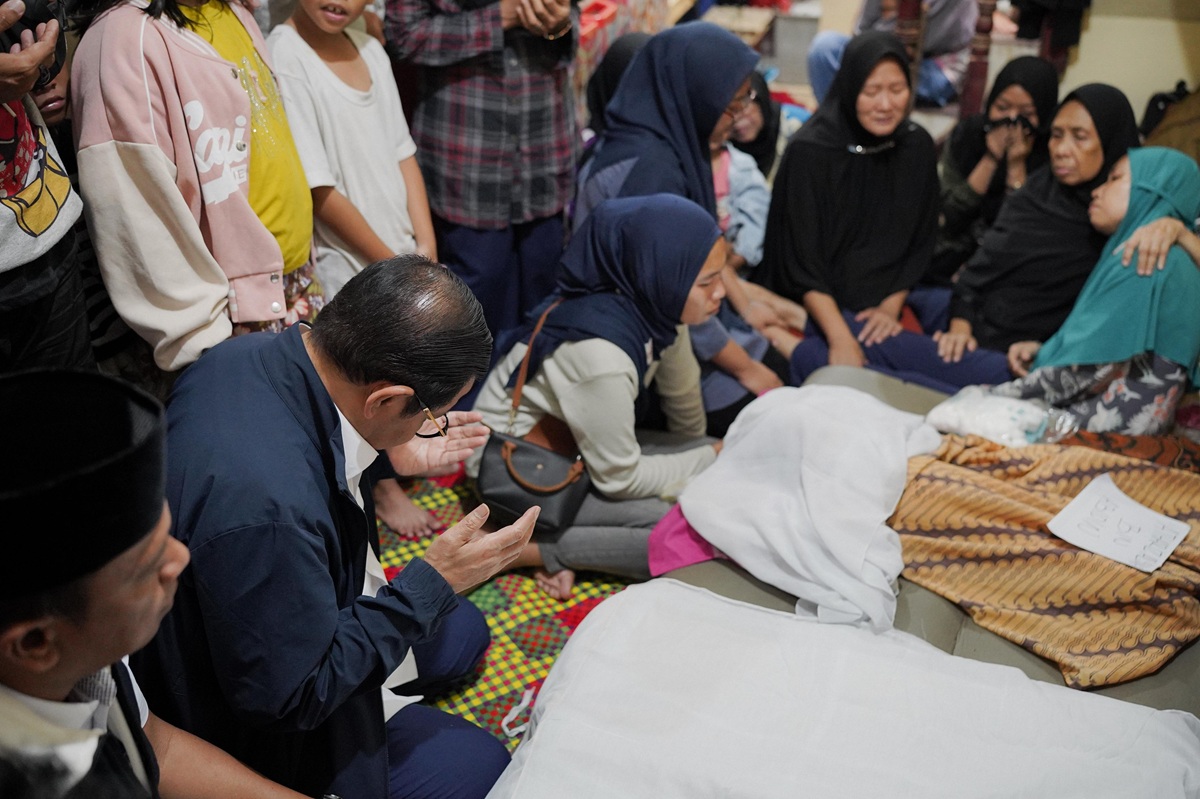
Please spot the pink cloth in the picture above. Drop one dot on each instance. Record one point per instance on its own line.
(721, 189)
(674, 544)
(157, 102)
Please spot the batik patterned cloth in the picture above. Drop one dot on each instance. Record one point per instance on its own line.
(972, 522)
(1175, 451)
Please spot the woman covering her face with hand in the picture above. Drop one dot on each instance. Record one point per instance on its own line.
(1032, 263)
(991, 155)
(1022, 283)
(626, 289)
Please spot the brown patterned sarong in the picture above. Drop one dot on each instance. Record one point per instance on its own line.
(1174, 451)
(972, 522)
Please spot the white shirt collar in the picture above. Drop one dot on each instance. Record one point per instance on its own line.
(359, 456)
(70, 715)
(89, 716)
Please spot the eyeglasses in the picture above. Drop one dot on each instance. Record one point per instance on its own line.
(738, 105)
(443, 427)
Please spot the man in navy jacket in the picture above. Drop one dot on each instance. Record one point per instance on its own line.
(284, 630)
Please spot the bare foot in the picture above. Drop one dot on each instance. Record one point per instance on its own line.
(558, 585)
(398, 512)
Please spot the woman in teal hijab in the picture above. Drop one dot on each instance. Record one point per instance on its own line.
(1129, 349)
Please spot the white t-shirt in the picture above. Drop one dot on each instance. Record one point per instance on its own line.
(351, 140)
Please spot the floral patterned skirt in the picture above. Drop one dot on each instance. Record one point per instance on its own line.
(1134, 397)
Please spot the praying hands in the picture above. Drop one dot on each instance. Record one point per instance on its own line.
(440, 454)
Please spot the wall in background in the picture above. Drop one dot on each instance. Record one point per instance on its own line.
(1140, 47)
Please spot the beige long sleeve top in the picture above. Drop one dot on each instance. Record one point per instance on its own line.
(592, 386)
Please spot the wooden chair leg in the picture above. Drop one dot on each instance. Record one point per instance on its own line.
(975, 84)
(910, 29)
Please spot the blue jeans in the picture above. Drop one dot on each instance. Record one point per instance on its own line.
(825, 56)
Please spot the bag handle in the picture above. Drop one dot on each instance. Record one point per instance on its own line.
(573, 474)
(524, 370)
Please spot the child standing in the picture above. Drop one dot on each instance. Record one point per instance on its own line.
(196, 202)
(369, 199)
(368, 196)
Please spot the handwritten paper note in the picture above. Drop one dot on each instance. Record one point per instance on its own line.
(1104, 520)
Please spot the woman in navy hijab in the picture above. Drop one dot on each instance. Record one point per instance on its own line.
(684, 83)
(625, 289)
(684, 89)
(603, 83)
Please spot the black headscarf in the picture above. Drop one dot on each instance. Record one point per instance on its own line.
(621, 279)
(763, 148)
(1115, 123)
(665, 108)
(836, 122)
(852, 215)
(1032, 263)
(968, 142)
(602, 85)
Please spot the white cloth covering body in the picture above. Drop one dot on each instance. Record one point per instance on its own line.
(802, 491)
(667, 690)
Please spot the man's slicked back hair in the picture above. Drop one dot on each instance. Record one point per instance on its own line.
(406, 321)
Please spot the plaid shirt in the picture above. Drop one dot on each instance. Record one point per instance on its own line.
(494, 124)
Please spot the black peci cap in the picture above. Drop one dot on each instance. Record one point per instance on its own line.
(82, 477)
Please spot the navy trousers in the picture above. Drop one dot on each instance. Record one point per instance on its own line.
(510, 270)
(433, 754)
(908, 356)
(43, 317)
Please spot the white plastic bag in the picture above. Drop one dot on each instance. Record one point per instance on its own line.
(1008, 421)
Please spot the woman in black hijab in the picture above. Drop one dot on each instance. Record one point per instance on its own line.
(602, 85)
(990, 155)
(763, 130)
(854, 209)
(1031, 264)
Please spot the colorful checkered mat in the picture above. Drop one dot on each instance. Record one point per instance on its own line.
(528, 628)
